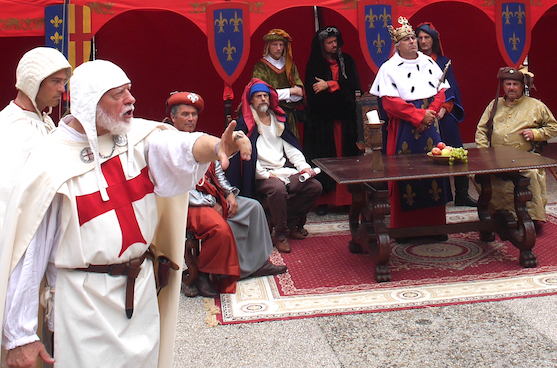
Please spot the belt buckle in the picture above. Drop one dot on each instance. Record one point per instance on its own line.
(110, 269)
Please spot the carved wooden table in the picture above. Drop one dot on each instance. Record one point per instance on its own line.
(370, 198)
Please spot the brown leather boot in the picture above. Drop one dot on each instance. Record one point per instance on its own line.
(205, 286)
(282, 245)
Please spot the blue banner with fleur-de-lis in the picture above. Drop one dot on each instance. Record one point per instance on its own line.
(512, 21)
(228, 37)
(56, 28)
(375, 40)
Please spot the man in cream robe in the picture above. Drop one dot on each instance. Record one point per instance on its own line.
(88, 198)
(23, 124)
(41, 77)
(519, 121)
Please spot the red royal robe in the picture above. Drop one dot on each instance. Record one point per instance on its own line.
(402, 112)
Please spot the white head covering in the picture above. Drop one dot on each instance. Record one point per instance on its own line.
(36, 65)
(90, 81)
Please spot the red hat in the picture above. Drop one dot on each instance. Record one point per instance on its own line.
(186, 98)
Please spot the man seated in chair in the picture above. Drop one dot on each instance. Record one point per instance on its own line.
(519, 121)
(277, 166)
(233, 229)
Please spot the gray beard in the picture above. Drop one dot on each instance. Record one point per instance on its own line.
(263, 108)
(110, 123)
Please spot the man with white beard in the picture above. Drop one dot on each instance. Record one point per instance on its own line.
(92, 199)
(278, 162)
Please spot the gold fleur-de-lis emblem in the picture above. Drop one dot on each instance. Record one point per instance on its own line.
(350, 4)
(514, 40)
(221, 23)
(409, 196)
(435, 191)
(199, 7)
(255, 7)
(379, 43)
(507, 14)
(417, 134)
(429, 144)
(229, 50)
(56, 21)
(56, 38)
(236, 22)
(372, 18)
(519, 14)
(385, 17)
(404, 149)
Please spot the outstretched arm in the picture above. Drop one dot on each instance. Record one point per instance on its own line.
(208, 148)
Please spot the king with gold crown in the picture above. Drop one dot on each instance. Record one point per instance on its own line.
(412, 89)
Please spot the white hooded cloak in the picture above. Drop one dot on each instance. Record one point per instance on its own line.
(46, 229)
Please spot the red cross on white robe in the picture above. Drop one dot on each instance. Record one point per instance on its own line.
(122, 194)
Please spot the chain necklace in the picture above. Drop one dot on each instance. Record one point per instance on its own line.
(87, 156)
(111, 152)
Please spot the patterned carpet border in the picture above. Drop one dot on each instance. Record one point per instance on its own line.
(276, 298)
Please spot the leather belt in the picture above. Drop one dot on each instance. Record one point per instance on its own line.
(130, 269)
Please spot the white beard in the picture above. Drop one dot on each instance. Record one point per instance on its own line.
(263, 108)
(113, 125)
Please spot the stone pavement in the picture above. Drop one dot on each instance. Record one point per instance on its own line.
(512, 333)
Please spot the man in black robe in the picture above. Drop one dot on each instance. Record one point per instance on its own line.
(331, 84)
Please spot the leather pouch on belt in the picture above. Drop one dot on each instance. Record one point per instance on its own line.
(162, 265)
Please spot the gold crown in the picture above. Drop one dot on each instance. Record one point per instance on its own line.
(399, 33)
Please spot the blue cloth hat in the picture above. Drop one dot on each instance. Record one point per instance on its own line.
(259, 87)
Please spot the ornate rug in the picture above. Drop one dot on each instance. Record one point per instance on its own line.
(324, 278)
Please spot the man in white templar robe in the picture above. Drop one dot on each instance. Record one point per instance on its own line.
(85, 203)
(41, 77)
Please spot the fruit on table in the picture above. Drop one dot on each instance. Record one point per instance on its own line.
(450, 152)
(446, 152)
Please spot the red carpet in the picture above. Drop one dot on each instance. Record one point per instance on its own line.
(322, 264)
(323, 278)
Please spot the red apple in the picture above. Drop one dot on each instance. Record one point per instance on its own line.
(435, 151)
(441, 145)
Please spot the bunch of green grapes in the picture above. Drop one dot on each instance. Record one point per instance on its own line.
(458, 154)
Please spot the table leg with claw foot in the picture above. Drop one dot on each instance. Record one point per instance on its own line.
(483, 201)
(521, 231)
(378, 206)
(358, 199)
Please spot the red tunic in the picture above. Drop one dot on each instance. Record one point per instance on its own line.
(218, 254)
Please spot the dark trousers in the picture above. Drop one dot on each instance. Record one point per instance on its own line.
(289, 204)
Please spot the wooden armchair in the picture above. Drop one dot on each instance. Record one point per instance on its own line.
(190, 257)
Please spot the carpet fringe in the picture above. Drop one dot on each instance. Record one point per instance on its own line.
(212, 311)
